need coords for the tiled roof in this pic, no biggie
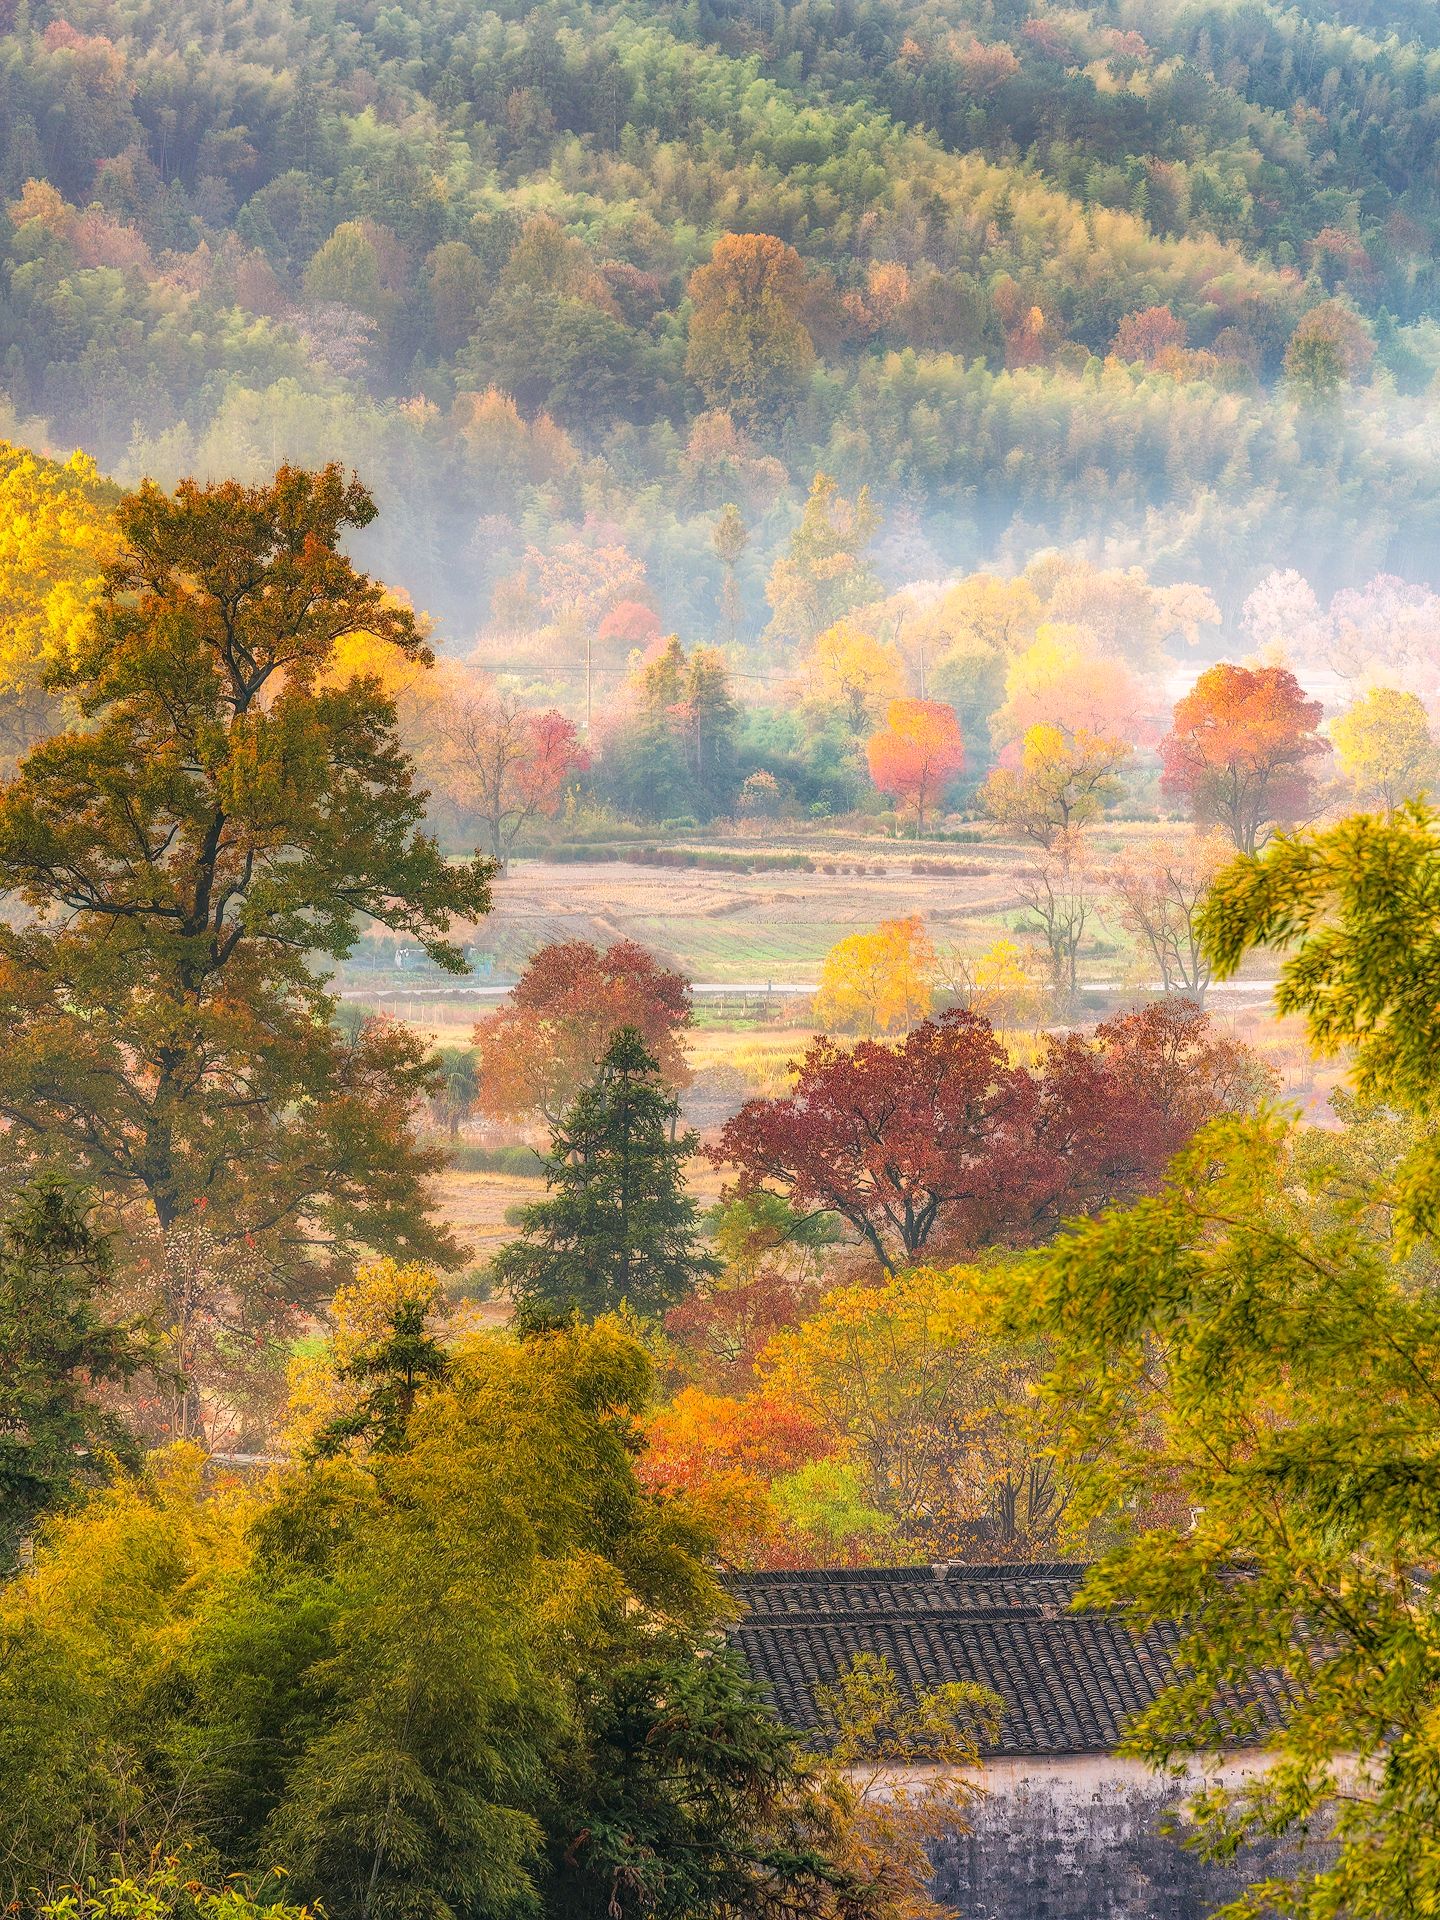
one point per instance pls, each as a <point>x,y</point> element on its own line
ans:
<point>1070,1681</point>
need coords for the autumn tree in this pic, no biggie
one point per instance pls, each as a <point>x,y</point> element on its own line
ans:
<point>939,1413</point>
<point>1160,889</point>
<point>916,753</point>
<point>1063,780</point>
<point>749,347</point>
<point>773,1266</point>
<point>1062,680</point>
<point>536,1052</point>
<point>937,1140</point>
<point>880,982</point>
<point>505,764</point>
<point>220,815</point>
<point>1332,347</point>
<point>1385,747</point>
<point>1147,334</point>
<point>887,1137</point>
<point>1239,749</point>
<point>618,1228</point>
<point>1005,981</point>
<point>853,670</point>
<point>1098,1121</point>
<point>823,574</point>
<point>57,534</point>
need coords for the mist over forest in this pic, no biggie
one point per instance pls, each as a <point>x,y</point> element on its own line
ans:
<point>454,248</point>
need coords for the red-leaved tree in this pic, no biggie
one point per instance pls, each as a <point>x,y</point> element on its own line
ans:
<point>505,764</point>
<point>937,1141</point>
<point>916,754</point>
<point>891,1138</point>
<point>1099,1121</point>
<point>538,1050</point>
<point>1239,749</point>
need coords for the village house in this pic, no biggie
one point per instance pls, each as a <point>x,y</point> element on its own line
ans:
<point>1065,1829</point>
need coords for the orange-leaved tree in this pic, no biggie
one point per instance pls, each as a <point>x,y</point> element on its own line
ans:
<point>916,753</point>
<point>1239,749</point>
<point>749,344</point>
<point>539,1049</point>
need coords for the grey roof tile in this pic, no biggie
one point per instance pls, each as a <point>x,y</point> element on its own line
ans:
<point>1071,1682</point>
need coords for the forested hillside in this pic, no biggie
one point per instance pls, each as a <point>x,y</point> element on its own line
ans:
<point>1160,278</point>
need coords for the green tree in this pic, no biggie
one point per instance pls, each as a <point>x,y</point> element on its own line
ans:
<point>455,283</point>
<point>348,271</point>
<point>227,809</point>
<point>1248,1367</point>
<point>618,1228</point>
<point>478,1676</point>
<point>56,1440</point>
<point>453,1100</point>
<point>391,1371</point>
<point>729,539</point>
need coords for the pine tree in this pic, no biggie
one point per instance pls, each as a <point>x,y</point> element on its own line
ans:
<point>56,1348</point>
<point>618,1226</point>
<point>392,1369</point>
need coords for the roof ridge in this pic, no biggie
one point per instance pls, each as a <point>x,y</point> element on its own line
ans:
<point>901,1616</point>
<point>937,1572</point>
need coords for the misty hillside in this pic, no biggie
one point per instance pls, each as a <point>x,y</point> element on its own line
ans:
<point>1157,276</point>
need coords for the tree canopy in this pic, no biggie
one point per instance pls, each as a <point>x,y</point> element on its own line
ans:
<point>222,812</point>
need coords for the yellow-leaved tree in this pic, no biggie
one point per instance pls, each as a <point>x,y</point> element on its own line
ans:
<point>1063,779</point>
<point>322,1386</point>
<point>852,670</point>
<point>57,534</point>
<point>880,982</point>
<point>1385,748</point>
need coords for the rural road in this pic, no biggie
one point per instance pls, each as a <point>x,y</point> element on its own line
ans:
<point>778,988</point>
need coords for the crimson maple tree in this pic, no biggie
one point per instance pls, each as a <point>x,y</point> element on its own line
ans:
<point>539,1049</point>
<point>1099,1121</point>
<point>888,1137</point>
<point>938,1141</point>
<point>1238,750</point>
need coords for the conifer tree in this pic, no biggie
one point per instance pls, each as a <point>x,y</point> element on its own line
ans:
<point>57,1347</point>
<point>618,1226</point>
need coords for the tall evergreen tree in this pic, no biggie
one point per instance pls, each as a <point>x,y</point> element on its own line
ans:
<point>55,1348</point>
<point>618,1225</point>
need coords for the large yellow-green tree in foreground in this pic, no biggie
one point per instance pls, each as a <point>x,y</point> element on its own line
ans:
<point>1259,1346</point>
